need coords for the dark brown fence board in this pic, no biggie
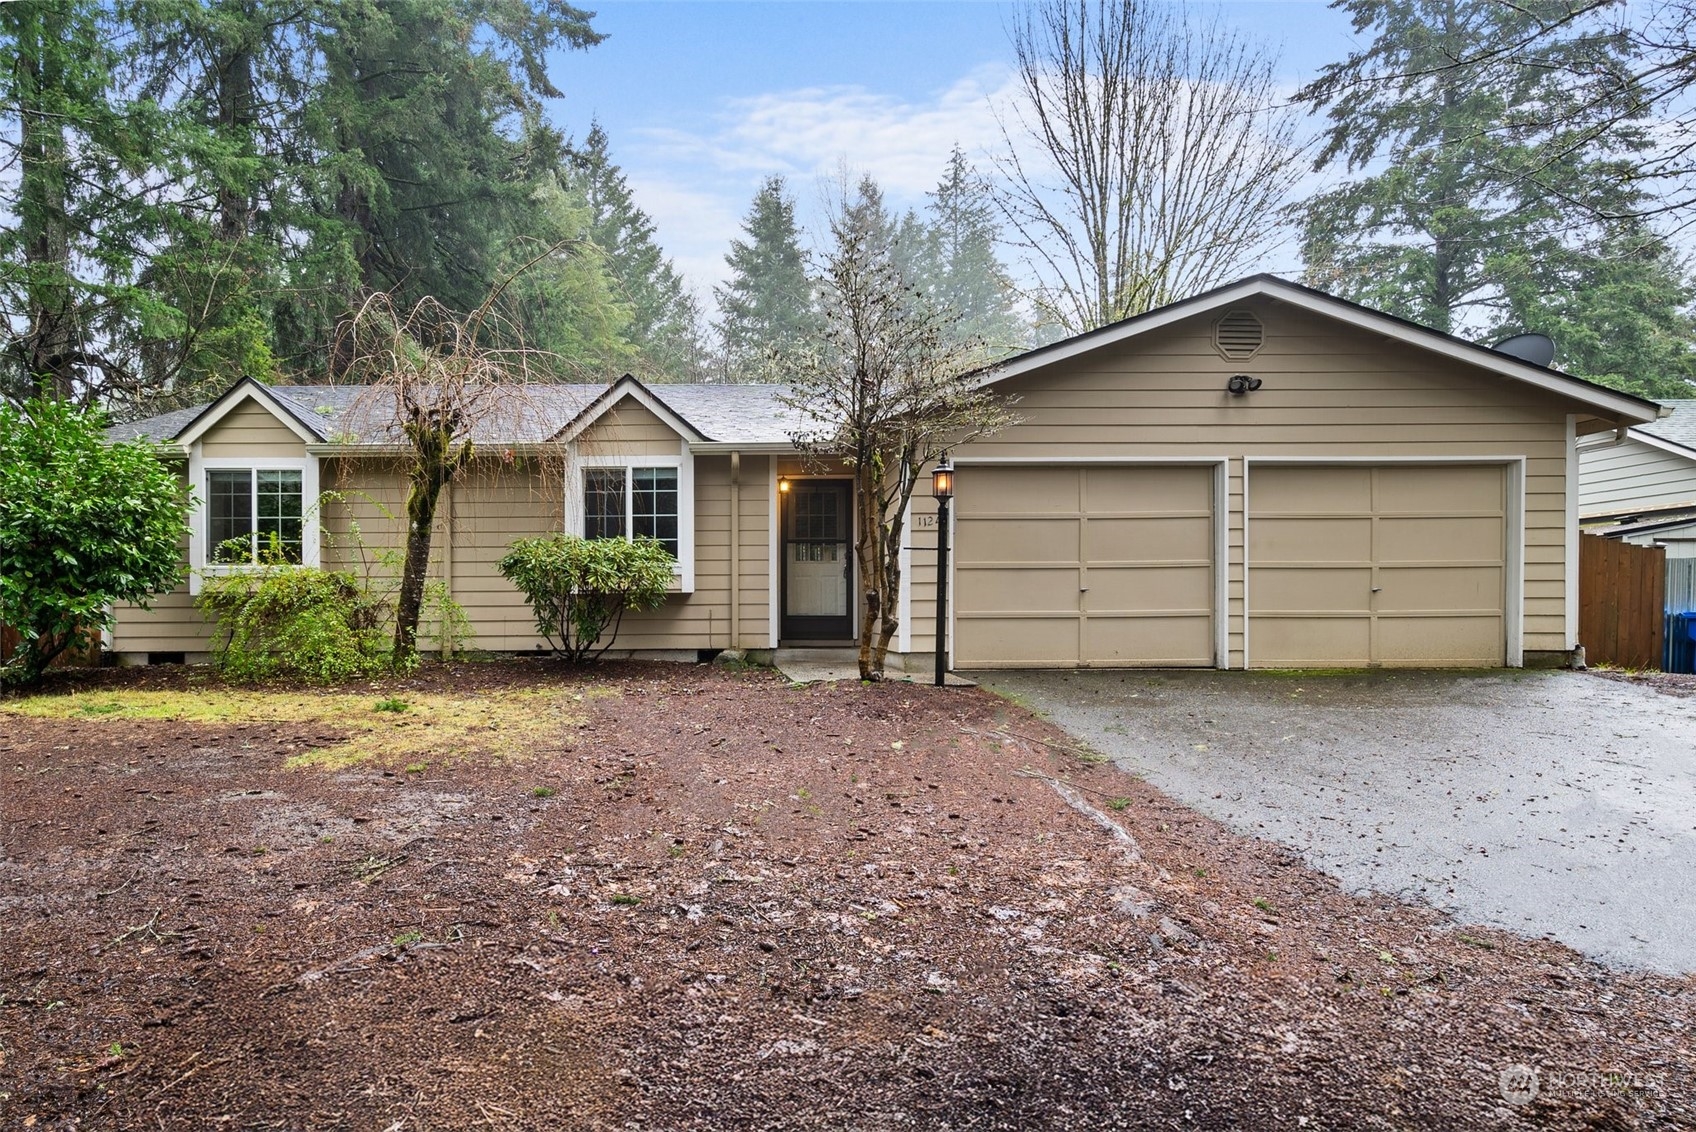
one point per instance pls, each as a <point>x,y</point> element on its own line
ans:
<point>1621,602</point>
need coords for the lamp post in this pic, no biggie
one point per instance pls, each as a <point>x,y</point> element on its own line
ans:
<point>942,489</point>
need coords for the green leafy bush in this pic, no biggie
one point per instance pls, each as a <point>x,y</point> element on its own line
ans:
<point>83,525</point>
<point>299,621</point>
<point>579,588</point>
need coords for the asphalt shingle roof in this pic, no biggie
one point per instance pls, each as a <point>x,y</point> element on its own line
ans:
<point>731,414</point>
<point>1680,428</point>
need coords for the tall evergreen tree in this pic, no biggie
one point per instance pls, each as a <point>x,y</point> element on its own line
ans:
<point>662,313</point>
<point>766,305</point>
<point>1492,212</point>
<point>955,261</point>
<point>92,189</point>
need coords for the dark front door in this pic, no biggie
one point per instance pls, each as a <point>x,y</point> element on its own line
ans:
<point>818,562</point>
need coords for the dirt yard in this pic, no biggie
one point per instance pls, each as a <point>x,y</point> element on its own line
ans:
<point>664,897</point>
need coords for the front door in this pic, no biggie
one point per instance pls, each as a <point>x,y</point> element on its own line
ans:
<point>818,561</point>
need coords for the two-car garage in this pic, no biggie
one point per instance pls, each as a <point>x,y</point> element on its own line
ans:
<point>1102,564</point>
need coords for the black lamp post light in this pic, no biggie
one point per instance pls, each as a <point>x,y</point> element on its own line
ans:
<point>942,489</point>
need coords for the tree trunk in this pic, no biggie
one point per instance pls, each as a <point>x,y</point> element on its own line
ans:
<point>409,606</point>
<point>235,114</point>
<point>41,204</point>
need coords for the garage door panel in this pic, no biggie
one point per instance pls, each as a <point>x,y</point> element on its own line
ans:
<point>1457,487</point>
<point>1310,540</point>
<point>1303,589</point>
<point>1018,589</point>
<point>1005,642</point>
<point>1088,564</point>
<point>1430,588</point>
<point>1018,540</point>
<point>1148,589</point>
<point>1309,489</point>
<point>1146,488</point>
<point>1299,642</point>
<point>1454,539</point>
<point>1149,640</point>
<point>1148,540</point>
<point>1441,641</point>
<point>1001,491</point>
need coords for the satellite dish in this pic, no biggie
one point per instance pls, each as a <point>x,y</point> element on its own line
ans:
<point>1538,349</point>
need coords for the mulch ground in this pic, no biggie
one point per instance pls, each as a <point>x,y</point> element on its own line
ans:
<point>725,902</point>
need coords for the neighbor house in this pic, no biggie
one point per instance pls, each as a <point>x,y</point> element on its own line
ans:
<point>1260,476</point>
<point>1639,484</point>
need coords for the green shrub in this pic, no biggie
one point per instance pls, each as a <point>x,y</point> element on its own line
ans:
<point>83,525</point>
<point>579,588</point>
<point>319,625</point>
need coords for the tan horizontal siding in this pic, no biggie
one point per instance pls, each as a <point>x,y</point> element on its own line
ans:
<point>629,429</point>
<point>250,430</point>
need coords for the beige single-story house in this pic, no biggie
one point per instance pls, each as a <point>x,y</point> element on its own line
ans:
<point>1262,476</point>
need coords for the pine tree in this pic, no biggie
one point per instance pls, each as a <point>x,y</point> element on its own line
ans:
<point>662,313</point>
<point>1489,216</point>
<point>957,265</point>
<point>767,303</point>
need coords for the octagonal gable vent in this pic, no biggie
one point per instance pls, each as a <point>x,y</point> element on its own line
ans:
<point>1238,334</point>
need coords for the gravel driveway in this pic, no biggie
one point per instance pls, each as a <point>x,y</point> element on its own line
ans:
<point>1547,803</point>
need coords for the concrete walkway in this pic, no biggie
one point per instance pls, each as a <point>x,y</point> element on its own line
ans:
<point>1549,803</point>
<point>812,666</point>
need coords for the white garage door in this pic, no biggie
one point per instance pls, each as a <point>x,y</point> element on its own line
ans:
<point>1377,565</point>
<point>1076,566</point>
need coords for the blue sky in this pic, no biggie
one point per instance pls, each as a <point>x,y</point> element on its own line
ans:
<point>701,99</point>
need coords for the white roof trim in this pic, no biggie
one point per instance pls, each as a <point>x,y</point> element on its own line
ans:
<point>1264,286</point>
<point>245,390</point>
<point>627,386</point>
<point>1662,443</point>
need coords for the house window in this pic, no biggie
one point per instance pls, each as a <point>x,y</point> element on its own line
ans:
<point>254,514</point>
<point>633,502</point>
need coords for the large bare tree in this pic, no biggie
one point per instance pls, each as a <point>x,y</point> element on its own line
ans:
<point>439,378</point>
<point>886,385</point>
<point>1147,155</point>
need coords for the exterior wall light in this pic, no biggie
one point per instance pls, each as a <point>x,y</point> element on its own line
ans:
<point>1241,383</point>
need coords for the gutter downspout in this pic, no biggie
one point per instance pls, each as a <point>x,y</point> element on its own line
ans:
<point>735,549</point>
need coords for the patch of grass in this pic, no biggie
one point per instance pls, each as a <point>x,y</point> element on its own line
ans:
<point>408,937</point>
<point>417,768</point>
<point>392,703</point>
<point>504,723</point>
<point>626,900</point>
<point>1119,804</point>
<point>1265,905</point>
<point>1474,941</point>
<point>543,792</point>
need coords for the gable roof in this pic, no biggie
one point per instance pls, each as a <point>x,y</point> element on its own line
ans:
<point>1623,406</point>
<point>360,415</point>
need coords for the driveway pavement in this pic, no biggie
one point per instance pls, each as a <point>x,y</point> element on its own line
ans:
<point>1546,803</point>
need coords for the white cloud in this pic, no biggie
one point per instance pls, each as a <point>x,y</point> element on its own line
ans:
<point>696,179</point>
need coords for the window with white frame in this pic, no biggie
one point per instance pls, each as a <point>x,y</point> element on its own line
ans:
<point>633,501</point>
<point>255,516</point>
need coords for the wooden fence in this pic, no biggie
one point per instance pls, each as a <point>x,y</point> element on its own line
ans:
<point>1621,602</point>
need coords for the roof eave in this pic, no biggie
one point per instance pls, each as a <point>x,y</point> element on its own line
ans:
<point>1622,406</point>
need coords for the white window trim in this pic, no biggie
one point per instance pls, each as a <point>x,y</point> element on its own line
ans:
<point>311,534</point>
<point>684,569</point>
